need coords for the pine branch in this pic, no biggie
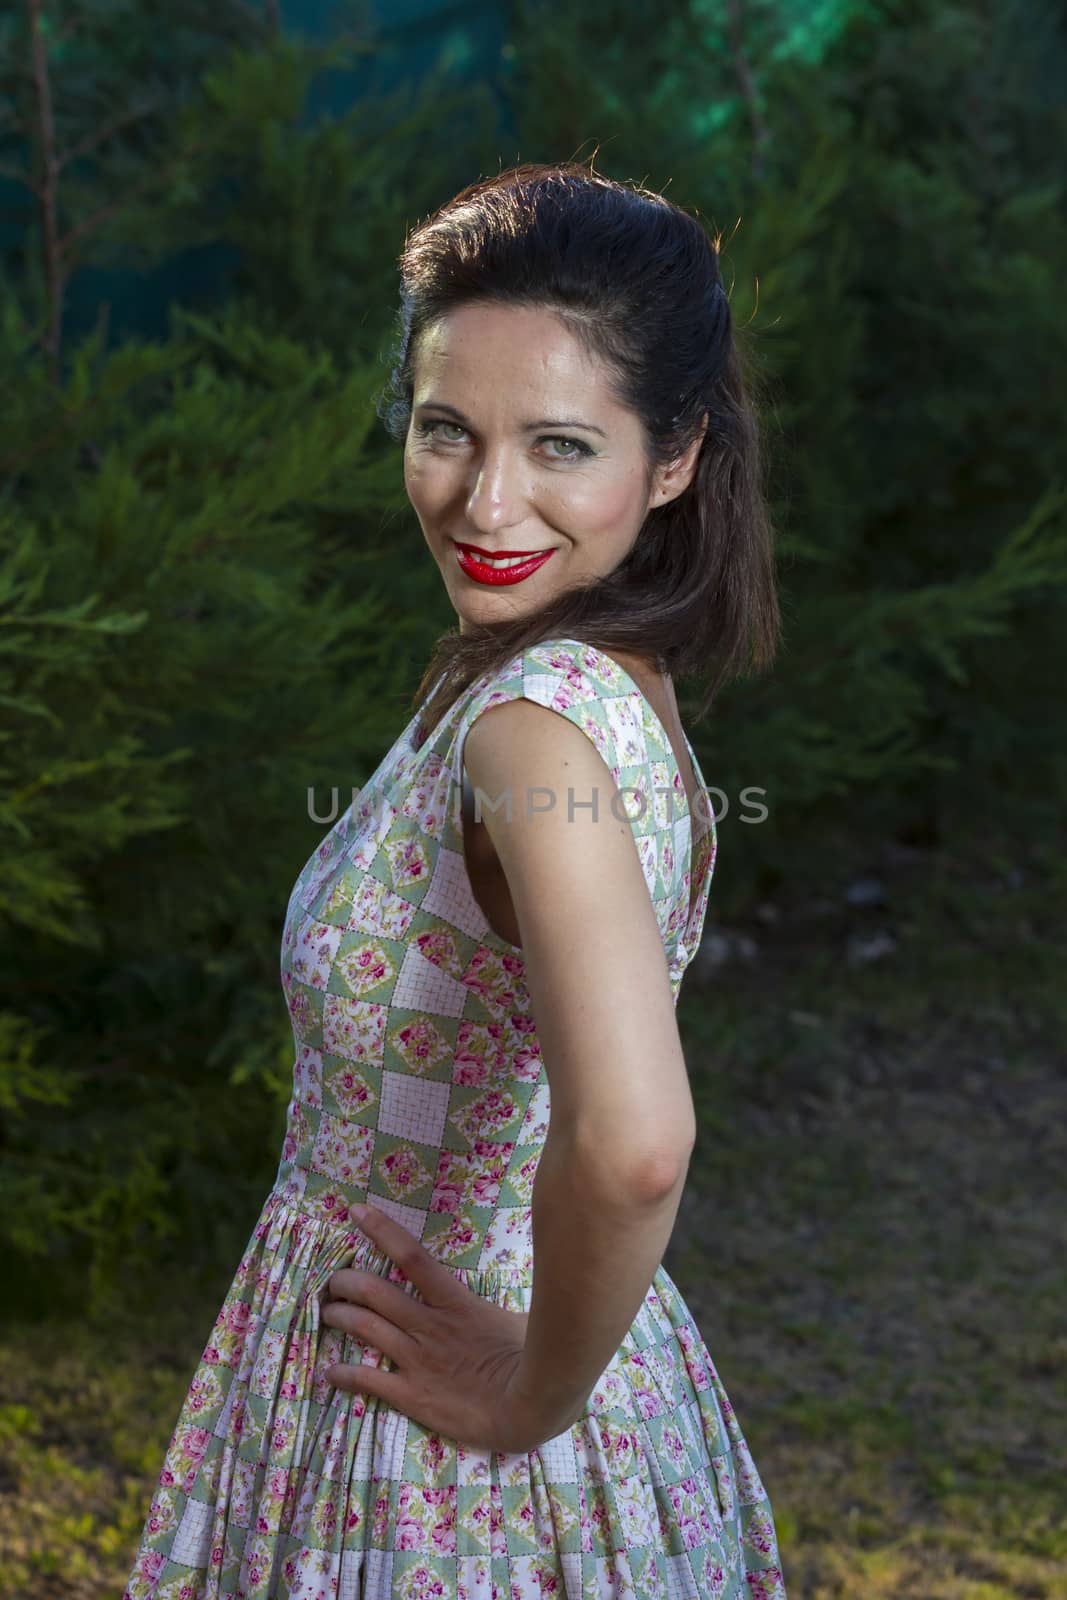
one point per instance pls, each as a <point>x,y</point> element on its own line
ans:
<point>100,136</point>
<point>747,85</point>
<point>91,141</point>
<point>97,218</point>
<point>47,191</point>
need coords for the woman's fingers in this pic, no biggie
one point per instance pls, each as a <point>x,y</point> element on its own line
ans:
<point>368,1327</point>
<point>368,1289</point>
<point>431,1277</point>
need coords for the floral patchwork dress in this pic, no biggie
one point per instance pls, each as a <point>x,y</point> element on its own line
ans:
<point>418,1084</point>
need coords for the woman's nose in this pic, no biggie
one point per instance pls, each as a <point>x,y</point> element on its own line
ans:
<point>496,496</point>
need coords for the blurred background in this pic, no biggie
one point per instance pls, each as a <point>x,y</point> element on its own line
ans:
<point>214,596</point>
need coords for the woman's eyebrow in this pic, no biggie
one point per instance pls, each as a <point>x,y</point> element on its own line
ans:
<point>527,427</point>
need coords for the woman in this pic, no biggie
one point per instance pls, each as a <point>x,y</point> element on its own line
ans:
<point>487,1386</point>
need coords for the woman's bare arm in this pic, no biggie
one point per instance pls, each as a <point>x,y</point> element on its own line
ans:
<point>622,1124</point>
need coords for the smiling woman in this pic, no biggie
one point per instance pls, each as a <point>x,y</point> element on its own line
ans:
<point>507,488</point>
<point>577,335</point>
<point>490,1385</point>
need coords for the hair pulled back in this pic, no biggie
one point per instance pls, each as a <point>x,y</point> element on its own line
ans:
<point>636,281</point>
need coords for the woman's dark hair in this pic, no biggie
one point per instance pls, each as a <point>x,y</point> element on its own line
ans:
<point>636,280</point>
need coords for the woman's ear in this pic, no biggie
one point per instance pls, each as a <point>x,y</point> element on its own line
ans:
<point>669,480</point>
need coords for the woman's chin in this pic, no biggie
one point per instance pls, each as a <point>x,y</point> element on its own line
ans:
<point>504,605</point>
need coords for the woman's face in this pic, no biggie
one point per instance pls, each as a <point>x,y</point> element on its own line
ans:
<point>516,445</point>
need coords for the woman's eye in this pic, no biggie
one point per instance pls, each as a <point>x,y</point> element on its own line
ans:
<point>425,430</point>
<point>575,448</point>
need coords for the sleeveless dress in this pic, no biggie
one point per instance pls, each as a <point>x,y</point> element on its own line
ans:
<point>418,1084</point>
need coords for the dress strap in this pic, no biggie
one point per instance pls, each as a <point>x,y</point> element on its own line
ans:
<point>590,689</point>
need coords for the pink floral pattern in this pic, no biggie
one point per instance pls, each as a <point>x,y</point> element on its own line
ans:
<point>418,1083</point>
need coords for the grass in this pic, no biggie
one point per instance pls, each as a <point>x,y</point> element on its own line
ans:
<point>871,1242</point>
<point>872,1237</point>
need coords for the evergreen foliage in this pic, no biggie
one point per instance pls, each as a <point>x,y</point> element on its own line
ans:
<point>179,660</point>
<point>200,660</point>
<point>892,200</point>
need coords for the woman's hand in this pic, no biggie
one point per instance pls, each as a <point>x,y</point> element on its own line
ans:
<point>456,1353</point>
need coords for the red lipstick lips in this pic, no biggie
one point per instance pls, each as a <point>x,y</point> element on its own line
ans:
<point>495,576</point>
